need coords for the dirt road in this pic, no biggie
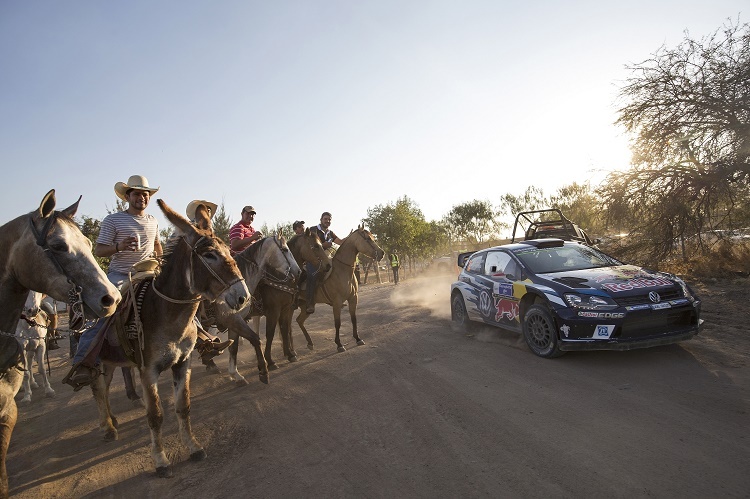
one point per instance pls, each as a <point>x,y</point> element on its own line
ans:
<point>423,411</point>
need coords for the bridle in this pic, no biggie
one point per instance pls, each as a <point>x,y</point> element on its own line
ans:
<point>202,241</point>
<point>273,276</point>
<point>320,260</point>
<point>78,320</point>
<point>369,241</point>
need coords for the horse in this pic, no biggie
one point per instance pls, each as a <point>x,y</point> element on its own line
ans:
<point>32,334</point>
<point>196,265</point>
<point>277,291</point>
<point>46,251</point>
<point>341,285</point>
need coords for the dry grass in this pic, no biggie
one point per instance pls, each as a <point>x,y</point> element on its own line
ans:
<point>724,259</point>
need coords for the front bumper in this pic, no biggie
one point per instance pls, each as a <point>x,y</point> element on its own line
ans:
<point>630,343</point>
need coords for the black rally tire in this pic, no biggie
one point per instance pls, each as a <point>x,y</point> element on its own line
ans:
<point>459,315</point>
<point>540,332</point>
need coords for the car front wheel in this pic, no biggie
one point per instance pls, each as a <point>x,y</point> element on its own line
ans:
<point>540,332</point>
<point>459,315</point>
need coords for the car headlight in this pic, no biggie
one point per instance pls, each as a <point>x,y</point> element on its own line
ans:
<point>590,302</point>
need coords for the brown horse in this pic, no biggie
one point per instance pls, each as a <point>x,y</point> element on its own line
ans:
<point>46,251</point>
<point>341,285</point>
<point>196,265</point>
<point>278,294</point>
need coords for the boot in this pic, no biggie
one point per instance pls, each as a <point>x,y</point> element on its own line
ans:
<point>80,376</point>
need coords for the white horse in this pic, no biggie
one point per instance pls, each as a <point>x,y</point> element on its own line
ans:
<point>32,334</point>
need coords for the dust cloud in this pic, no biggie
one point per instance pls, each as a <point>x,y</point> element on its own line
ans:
<point>430,291</point>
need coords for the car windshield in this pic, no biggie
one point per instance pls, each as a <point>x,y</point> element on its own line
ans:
<point>564,258</point>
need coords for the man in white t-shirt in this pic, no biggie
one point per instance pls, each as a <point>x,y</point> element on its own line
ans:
<point>126,237</point>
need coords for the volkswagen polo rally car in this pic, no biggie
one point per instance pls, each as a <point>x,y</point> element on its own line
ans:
<point>566,296</point>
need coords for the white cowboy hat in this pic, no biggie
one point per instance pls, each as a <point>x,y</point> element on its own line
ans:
<point>134,182</point>
<point>193,205</point>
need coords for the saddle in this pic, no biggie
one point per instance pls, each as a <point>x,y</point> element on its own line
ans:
<point>123,330</point>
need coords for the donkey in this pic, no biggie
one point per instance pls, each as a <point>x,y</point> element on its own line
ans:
<point>197,265</point>
<point>341,285</point>
<point>277,289</point>
<point>46,251</point>
<point>32,333</point>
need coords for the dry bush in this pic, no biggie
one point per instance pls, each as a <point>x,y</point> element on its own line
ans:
<point>724,259</point>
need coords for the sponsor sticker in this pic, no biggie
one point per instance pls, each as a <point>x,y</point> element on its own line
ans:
<point>644,306</point>
<point>603,332</point>
<point>565,329</point>
<point>602,315</point>
<point>638,283</point>
<point>503,289</point>
<point>485,303</point>
<point>661,306</point>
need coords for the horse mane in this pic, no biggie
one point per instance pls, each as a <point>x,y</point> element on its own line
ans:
<point>251,251</point>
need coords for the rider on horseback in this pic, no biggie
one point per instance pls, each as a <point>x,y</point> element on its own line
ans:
<point>327,238</point>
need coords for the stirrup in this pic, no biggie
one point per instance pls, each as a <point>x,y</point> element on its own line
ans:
<point>78,380</point>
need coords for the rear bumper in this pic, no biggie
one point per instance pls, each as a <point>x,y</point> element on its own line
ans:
<point>631,344</point>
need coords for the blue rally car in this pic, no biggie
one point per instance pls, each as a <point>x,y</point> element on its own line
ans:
<point>568,296</point>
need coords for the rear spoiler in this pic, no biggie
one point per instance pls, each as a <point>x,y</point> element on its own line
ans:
<point>463,256</point>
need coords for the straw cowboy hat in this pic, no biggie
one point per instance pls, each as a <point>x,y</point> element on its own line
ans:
<point>134,182</point>
<point>193,205</point>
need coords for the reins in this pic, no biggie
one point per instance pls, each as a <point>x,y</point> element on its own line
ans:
<point>191,276</point>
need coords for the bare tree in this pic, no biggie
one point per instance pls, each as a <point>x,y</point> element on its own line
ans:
<point>689,111</point>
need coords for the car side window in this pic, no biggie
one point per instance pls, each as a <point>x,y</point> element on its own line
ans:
<point>496,263</point>
<point>476,264</point>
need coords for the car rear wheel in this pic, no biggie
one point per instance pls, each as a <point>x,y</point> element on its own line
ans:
<point>459,315</point>
<point>540,332</point>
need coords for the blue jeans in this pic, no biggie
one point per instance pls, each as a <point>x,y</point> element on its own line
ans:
<point>88,336</point>
<point>312,280</point>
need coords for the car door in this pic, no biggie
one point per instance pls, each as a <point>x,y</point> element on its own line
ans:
<point>501,270</point>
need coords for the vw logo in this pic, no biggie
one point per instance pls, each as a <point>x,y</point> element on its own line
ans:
<point>485,303</point>
<point>654,297</point>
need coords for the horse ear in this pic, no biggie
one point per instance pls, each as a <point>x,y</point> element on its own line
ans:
<point>280,233</point>
<point>351,232</point>
<point>72,209</point>
<point>360,227</point>
<point>175,218</point>
<point>47,206</point>
<point>202,218</point>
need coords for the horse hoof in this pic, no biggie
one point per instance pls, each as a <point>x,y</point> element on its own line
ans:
<point>110,436</point>
<point>310,346</point>
<point>198,455</point>
<point>360,342</point>
<point>25,400</point>
<point>272,366</point>
<point>164,472</point>
<point>242,382</point>
<point>50,394</point>
<point>293,358</point>
<point>341,349</point>
<point>263,378</point>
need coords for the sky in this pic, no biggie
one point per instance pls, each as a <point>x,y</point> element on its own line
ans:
<point>300,107</point>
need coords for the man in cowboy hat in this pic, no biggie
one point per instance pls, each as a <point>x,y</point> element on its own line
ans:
<point>126,237</point>
<point>208,346</point>
<point>242,234</point>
